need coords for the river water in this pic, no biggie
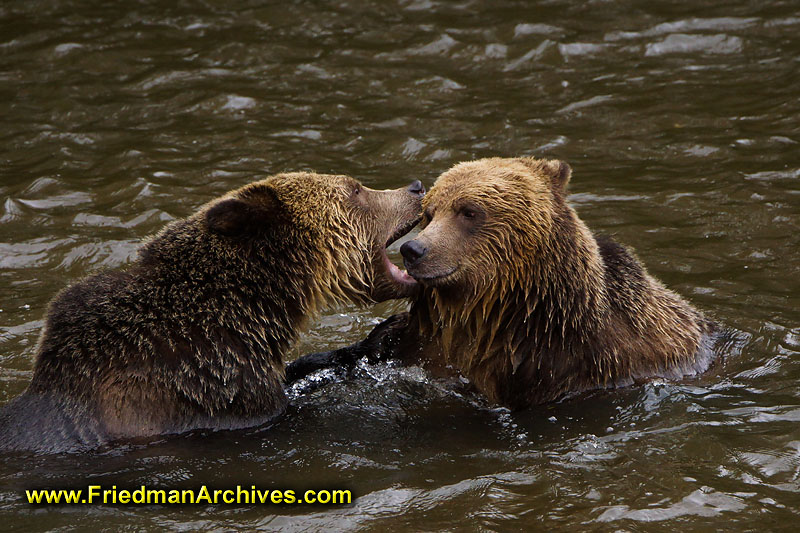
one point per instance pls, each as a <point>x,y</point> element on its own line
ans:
<point>680,120</point>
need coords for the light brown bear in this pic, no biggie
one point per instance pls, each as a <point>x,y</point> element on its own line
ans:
<point>192,335</point>
<point>522,299</point>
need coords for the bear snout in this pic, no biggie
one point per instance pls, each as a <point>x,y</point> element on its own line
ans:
<point>416,188</point>
<point>412,252</point>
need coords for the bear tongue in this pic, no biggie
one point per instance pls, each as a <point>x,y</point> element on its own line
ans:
<point>399,276</point>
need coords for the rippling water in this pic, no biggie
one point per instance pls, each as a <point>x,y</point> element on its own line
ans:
<point>680,120</point>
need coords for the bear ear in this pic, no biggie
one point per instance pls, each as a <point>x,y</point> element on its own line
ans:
<point>234,217</point>
<point>559,173</point>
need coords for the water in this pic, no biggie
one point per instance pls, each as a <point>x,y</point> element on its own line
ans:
<point>680,120</point>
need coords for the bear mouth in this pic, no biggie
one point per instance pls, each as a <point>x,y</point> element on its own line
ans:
<point>395,273</point>
<point>436,279</point>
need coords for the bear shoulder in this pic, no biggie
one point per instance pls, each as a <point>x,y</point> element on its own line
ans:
<point>624,276</point>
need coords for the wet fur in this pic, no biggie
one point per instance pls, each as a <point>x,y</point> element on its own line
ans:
<point>192,334</point>
<point>565,312</point>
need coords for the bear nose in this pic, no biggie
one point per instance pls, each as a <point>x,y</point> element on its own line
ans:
<point>417,187</point>
<point>412,252</point>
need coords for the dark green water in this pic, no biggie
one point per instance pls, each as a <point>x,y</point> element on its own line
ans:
<point>680,120</point>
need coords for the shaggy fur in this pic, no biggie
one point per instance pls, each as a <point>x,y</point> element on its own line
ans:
<point>193,333</point>
<point>521,298</point>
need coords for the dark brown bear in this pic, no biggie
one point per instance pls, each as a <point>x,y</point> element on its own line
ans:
<point>193,333</point>
<point>521,298</point>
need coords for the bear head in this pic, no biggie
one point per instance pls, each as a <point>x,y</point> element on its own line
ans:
<point>485,222</point>
<point>330,226</point>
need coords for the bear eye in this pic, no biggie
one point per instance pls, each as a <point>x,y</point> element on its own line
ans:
<point>357,190</point>
<point>469,212</point>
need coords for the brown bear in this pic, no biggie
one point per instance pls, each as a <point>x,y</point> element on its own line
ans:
<point>192,334</point>
<point>522,299</point>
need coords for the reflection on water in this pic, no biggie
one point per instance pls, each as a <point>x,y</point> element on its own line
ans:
<point>680,122</point>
